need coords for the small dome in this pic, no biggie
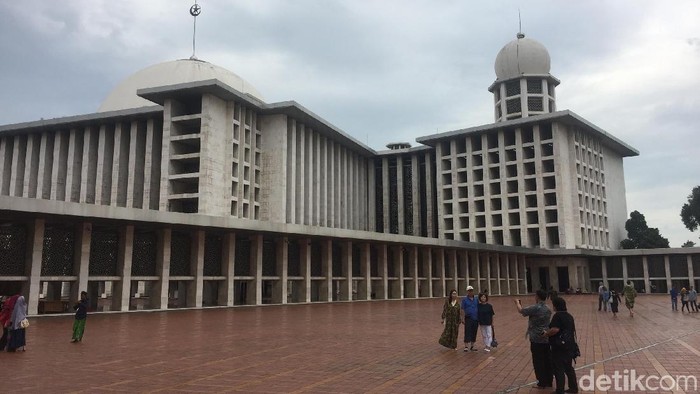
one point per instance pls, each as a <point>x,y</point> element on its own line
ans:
<point>522,56</point>
<point>170,73</point>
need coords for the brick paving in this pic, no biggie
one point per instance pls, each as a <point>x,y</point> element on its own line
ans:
<point>379,346</point>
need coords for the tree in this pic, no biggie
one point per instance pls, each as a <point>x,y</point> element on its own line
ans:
<point>690,212</point>
<point>640,235</point>
<point>688,244</point>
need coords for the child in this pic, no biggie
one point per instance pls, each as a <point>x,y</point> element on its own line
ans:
<point>614,303</point>
<point>80,317</point>
<point>485,314</point>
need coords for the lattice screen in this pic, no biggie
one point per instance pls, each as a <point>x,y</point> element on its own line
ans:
<point>242,264</point>
<point>143,261</point>
<point>59,249</point>
<point>13,249</point>
<point>180,254</point>
<point>104,252</point>
<point>213,244</point>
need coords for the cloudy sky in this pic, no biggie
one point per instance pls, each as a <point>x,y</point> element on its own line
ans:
<point>387,70</point>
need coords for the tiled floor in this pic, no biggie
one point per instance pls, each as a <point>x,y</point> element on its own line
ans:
<point>381,346</point>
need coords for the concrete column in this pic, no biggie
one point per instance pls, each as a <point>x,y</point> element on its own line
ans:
<point>415,193</point>
<point>33,265</point>
<point>228,257</point>
<point>346,284</point>
<point>383,291</point>
<point>280,288</point>
<point>428,270</point>
<point>604,268</point>
<point>87,178</point>
<point>498,273</point>
<point>667,267</point>
<point>19,151</point>
<point>645,266</point>
<point>32,166</point>
<point>371,197</point>
<point>691,274</point>
<point>195,288</point>
<point>256,266</point>
<point>305,257</point>
<point>517,274</point>
<point>488,272</point>
<point>398,269</point>
<point>430,214</point>
<point>58,175</point>
<point>5,164</point>
<point>75,164</point>
<point>455,271</point>
<point>365,291</point>
<point>133,181</point>
<point>625,276</point>
<point>523,273</point>
<point>327,265</point>
<point>121,292</point>
<point>81,264</point>
<point>477,279</point>
<point>400,192</point>
<point>441,272</point>
<point>159,294</point>
<point>385,194</point>
<point>412,290</point>
<point>120,162</point>
<point>102,163</point>
<point>43,179</point>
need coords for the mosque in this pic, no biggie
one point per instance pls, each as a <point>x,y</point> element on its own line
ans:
<point>187,189</point>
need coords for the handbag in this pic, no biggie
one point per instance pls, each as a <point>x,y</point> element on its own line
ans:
<point>494,343</point>
<point>24,323</point>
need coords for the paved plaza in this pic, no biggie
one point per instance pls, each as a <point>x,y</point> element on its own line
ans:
<point>380,346</point>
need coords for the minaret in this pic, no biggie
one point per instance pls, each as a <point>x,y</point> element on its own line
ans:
<point>523,87</point>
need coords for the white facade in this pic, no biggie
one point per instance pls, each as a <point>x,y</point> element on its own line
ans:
<point>196,192</point>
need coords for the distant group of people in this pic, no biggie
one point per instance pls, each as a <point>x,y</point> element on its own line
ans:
<point>474,312</point>
<point>612,297</point>
<point>689,299</point>
<point>13,319</point>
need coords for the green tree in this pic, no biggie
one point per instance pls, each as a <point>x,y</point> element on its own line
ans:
<point>688,244</point>
<point>690,212</point>
<point>640,235</point>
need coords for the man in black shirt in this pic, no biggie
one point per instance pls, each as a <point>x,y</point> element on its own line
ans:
<point>561,334</point>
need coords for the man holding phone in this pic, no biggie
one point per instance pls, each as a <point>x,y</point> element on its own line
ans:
<point>538,321</point>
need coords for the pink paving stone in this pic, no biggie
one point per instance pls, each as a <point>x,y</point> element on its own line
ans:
<point>378,346</point>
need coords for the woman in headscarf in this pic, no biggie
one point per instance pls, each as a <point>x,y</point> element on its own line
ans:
<point>17,332</point>
<point>6,319</point>
<point>451,320</point>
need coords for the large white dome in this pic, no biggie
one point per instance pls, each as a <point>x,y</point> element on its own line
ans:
<point>170,73</point>
<point>520,57</point>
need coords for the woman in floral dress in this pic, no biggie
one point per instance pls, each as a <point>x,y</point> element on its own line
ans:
<point>451,321</point>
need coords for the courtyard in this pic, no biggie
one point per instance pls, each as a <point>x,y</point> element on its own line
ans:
<point>377,346</point>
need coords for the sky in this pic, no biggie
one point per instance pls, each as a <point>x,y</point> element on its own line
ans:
<point>387,71</point>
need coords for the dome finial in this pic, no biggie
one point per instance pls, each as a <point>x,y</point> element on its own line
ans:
<point>195,10</point>
<point>520,27</point>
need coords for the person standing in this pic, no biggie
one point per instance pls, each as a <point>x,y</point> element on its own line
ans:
<point>606,298</point>
<point>17,332</point>
<point>451,319</point>
<point>538,321</point>
<point>471,322</point>
<point>485,313</point>
<point>614,303</point>
<point>80,317</point>
<point>562,337</point>
<point>674,299</point>
<point>693,298</point>
<point>601,302</point>
<point>630,295</point>
<point>684,300</point>
<point>6,319</point>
